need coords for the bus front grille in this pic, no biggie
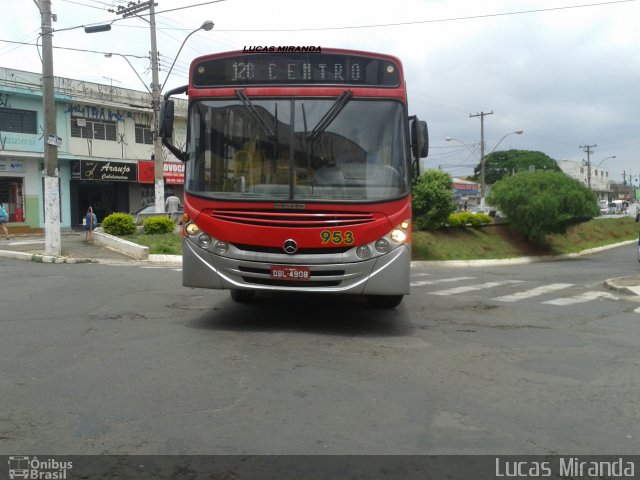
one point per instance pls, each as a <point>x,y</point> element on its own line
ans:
<point>293,219</point>
<point>301,251</point>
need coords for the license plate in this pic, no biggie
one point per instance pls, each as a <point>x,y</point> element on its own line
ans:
<point>290,273</point>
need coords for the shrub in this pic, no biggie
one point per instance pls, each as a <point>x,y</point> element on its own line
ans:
<point>432,200</point>
<point>464,219</point>
<point>157,225</point>
<point>119,224</point>
<point>543,202</point>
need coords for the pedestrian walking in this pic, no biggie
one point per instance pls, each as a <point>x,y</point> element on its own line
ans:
<point>4,217</point>
<point>90,223</point>
<point>172,204</point>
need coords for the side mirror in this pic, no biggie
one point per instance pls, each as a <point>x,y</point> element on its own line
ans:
<point>166,119</point>
<point>419,139</point>
<point>166,122</point>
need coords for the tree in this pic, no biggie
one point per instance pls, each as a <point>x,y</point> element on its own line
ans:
<point>508,162</point>
<point>432,199</point>
<point>543,202</point>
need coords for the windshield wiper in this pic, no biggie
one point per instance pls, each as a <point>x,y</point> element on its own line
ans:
<point>256,116</point>
<point>330,116</point>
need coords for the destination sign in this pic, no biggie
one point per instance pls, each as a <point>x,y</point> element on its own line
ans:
<point>295,68</point>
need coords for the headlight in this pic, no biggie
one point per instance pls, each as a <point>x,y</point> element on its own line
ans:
<point>363,251</point>
<point>398,235</point>
<point>204,240</point>
<point>192,229</point>
<point>382,245</point>
<point>220,247</point>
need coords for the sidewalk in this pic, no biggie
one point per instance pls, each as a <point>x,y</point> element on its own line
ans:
<point>73,250</point>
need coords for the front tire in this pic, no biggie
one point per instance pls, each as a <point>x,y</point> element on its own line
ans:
<point>242,296</point>
<point>384,301</point>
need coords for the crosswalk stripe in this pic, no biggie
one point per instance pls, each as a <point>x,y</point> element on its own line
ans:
<point>534,292</point>
<point>472,288</point>
<point>582,298</point>
<point>422,283</point>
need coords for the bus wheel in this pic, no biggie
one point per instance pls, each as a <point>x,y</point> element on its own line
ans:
<point>242,296</point>
<point>384,301</point>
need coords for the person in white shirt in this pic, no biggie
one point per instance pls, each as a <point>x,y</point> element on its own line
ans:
<point>172,205</point>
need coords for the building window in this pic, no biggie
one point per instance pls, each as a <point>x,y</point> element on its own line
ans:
<point>144,135</point>
<point>98,130</point>
<point>18,121</point>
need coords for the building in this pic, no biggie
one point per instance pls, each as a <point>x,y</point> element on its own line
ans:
<point>105,153</point>
<point>600,183</point>
<point>466,194</point>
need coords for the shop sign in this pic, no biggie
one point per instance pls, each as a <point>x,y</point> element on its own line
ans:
<point>108,171</point>
<point>11,166</point>
<point>146,171</point>
<point>173,172</point>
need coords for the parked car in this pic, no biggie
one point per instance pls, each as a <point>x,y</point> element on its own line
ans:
<point>487,210</point>
<point>141,214</point>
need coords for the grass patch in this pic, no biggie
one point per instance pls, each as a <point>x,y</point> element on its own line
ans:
<point>498,241</point>
<point>163,243</point>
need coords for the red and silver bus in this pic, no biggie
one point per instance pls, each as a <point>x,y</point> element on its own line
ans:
<point>298,173</point>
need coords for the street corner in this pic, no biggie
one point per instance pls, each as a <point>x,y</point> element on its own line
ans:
<point>629,285</point>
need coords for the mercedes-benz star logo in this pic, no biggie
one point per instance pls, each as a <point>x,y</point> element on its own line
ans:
<point>290,246</point>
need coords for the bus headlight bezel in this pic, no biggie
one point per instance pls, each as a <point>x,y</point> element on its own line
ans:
<point>396,238</point>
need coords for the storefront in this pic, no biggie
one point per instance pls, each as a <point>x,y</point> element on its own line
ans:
<point>102,185</point>
<point>173,174</point>
<point>12,178</point>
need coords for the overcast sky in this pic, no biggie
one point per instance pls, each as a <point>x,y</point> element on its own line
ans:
<point>566,72</point>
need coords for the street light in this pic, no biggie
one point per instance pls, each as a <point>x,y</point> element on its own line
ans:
<point>597,166</point>
<point>606,158</point>
<point>110,55</point>
<point>517,132</point>
<point>206,26</point>
<point>482,161</point>
<point>452,139</point>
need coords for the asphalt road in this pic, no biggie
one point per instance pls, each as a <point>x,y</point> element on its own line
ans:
<point>101,359</point>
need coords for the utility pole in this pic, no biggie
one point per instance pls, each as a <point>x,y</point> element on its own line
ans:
<point>158,156</point>
<point>155,98</point>
<point>482,183</point>
<point>588,151</point>
<point>52,244</point>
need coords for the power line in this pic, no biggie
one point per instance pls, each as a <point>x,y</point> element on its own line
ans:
<point>419,22</point>
<point>74,49</point>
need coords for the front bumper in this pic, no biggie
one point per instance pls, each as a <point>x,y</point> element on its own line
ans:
<point>384,275</point>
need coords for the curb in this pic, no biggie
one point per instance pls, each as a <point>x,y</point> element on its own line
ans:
<point>619,285</point>
<point>40,258</point>
<point>516,260</point>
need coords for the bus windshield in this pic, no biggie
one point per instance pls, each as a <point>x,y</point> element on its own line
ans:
<point>345,149</point>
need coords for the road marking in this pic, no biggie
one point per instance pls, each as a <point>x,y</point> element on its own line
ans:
<point>170,267</point>
<point>534,292</point>
<point>582,298</point>
<point>473,288</point>
<point>422,283</point>
<point>421,274</point>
